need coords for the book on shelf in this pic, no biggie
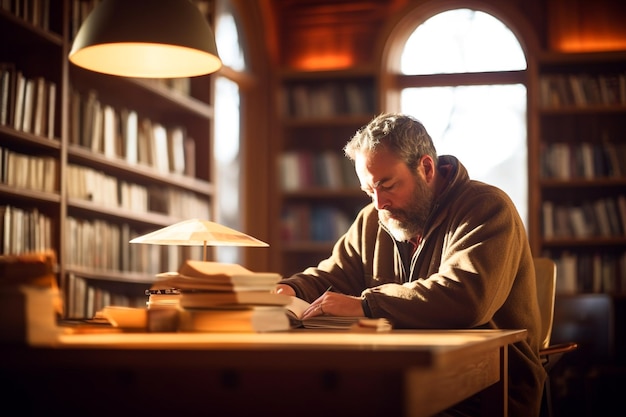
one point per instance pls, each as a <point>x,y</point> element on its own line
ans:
<point>130,130</point>
<point>29,103</point>
<point>75,118</point>
<point>144,142</point>
<point>615,224</point>
<point>602,217</point>
<point>18,100</point>
<point>96,127</point>
<point>160,150</point>
<point>621,207</point>
<point>109,131</point>
<point>86,109</point>
<point>51,95</point>
<point>7,92</point>
<point>582,89</point>
<point>40,107</point>
<point>190,155</point>
<point>176,152</point>
<point>325,169</point>
<point>290,177</point>
<point>330,166</point>
<point>590,272</point>
<point>326,99</point>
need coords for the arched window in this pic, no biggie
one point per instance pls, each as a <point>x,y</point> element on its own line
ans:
<point>462,72</point>
<point>227,133</point>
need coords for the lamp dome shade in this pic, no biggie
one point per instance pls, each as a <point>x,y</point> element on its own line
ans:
<point>195,232</point>
<point>146,39</point>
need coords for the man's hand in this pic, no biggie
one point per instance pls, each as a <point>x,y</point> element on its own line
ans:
<point>335,304</point>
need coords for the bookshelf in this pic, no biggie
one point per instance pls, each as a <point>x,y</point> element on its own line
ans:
<point>318,193</point>
<point>103,159</point>
<point>581,187</point>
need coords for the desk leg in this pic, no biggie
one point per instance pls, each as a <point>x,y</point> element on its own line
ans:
<point>494,399</point>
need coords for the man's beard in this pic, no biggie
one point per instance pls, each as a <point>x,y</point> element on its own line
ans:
<point>407,223</point>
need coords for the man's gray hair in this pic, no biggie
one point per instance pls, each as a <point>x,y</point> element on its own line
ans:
<point>401,134</point>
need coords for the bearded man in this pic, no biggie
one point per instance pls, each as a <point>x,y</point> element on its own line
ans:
<point>434,250</point>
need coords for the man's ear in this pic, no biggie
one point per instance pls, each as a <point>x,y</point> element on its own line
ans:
<point>428,165</point>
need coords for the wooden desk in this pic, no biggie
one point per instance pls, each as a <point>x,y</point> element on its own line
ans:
<point>302,373</point>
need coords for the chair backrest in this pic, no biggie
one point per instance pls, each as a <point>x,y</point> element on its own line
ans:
<point>545,272</point>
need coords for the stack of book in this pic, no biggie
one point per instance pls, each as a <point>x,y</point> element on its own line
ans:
<point>213,296</point>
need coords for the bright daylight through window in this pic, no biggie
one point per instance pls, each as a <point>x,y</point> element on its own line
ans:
<point>483,125</point>
<point>226,144</point>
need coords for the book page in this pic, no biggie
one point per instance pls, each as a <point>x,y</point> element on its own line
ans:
<point>297,307</point>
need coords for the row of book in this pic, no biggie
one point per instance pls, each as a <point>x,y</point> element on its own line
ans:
<point>603,217</point>
<point>30,172</point>
<point>36,12</point>
<point>83,298</point>
<point>40,173</point>
<point>317,223</point>
<point>597,272</point>
<point>558,90</point>
<point>306,169</point>
<point>567,160</point>
<point>27,104</point>
<point>326,99</point>
<point>121,133</point>
<point>92,185</point>
<point>98,244</point>
<point>178,203</point>
<point>24,230</point>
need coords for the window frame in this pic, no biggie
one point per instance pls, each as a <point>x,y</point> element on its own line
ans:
<point>393,81</point>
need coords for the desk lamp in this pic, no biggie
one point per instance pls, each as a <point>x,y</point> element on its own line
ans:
<point>146,39</point>
<point>197,232</point>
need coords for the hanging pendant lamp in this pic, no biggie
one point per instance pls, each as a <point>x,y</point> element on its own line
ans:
<point>146,39</point>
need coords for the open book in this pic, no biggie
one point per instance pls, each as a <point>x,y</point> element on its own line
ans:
<point>298,306</point>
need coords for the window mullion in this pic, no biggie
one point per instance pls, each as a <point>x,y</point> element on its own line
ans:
<point>469,78</point>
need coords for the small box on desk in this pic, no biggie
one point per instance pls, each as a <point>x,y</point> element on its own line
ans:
<point>29,299</point>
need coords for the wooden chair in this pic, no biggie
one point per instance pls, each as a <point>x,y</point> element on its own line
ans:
<point>545,271</point>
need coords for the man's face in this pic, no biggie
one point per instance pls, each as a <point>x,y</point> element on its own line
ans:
<point>402,197</point>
